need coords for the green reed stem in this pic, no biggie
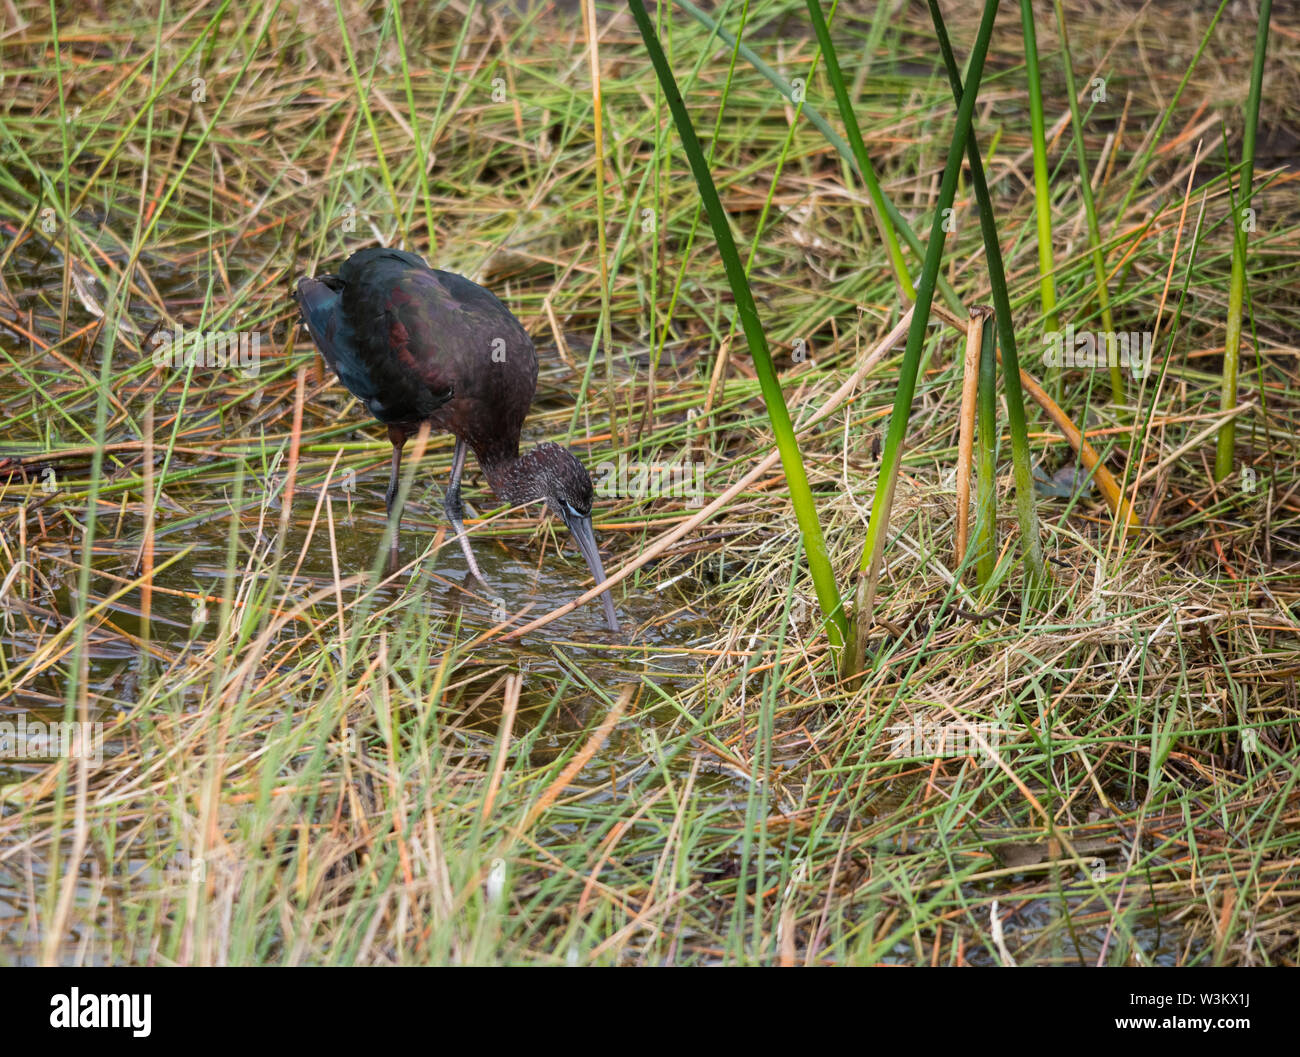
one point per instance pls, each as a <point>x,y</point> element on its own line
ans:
<point>837,141</point>
<point>1226,449</point>
<point>1042,185</point>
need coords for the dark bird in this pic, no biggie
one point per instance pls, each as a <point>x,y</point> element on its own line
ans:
<point>418,345</point>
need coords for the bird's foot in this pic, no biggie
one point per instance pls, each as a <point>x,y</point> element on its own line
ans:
<point>394,562</point>
<point>469,555</point>
<point>456,514</point>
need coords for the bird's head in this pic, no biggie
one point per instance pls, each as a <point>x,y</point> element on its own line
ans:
<point>566,486</point>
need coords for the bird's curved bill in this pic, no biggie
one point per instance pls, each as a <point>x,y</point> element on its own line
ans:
<point>586,538</point>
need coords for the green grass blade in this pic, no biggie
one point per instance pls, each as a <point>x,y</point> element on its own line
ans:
<point>1225,452</point>
<point>1042,185</point>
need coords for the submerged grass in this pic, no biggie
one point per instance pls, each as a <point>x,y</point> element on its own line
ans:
<point>304,763</point>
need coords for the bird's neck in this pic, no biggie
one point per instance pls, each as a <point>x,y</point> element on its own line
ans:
<point>514,478</point>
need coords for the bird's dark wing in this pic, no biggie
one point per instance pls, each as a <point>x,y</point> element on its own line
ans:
<point>420,345</point>
<point>390,307</point>
<point>429,332</point>
<point>318,302</point>
<point>381,350</point>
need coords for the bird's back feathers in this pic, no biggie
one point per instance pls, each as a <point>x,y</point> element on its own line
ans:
<point>415,344</point>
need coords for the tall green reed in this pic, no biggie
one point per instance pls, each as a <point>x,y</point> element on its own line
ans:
<point>1042,185</point>
<point>1225,450</point>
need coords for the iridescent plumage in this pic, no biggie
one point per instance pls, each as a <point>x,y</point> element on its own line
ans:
<point>418,345</point>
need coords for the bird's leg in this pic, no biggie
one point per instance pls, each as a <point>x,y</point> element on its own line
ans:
<point>397,436</point>
<point>456,513</point>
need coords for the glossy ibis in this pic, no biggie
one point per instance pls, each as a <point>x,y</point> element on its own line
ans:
<point>418,345</point>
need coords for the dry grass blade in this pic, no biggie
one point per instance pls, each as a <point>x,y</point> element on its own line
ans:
<point>966,441</point>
